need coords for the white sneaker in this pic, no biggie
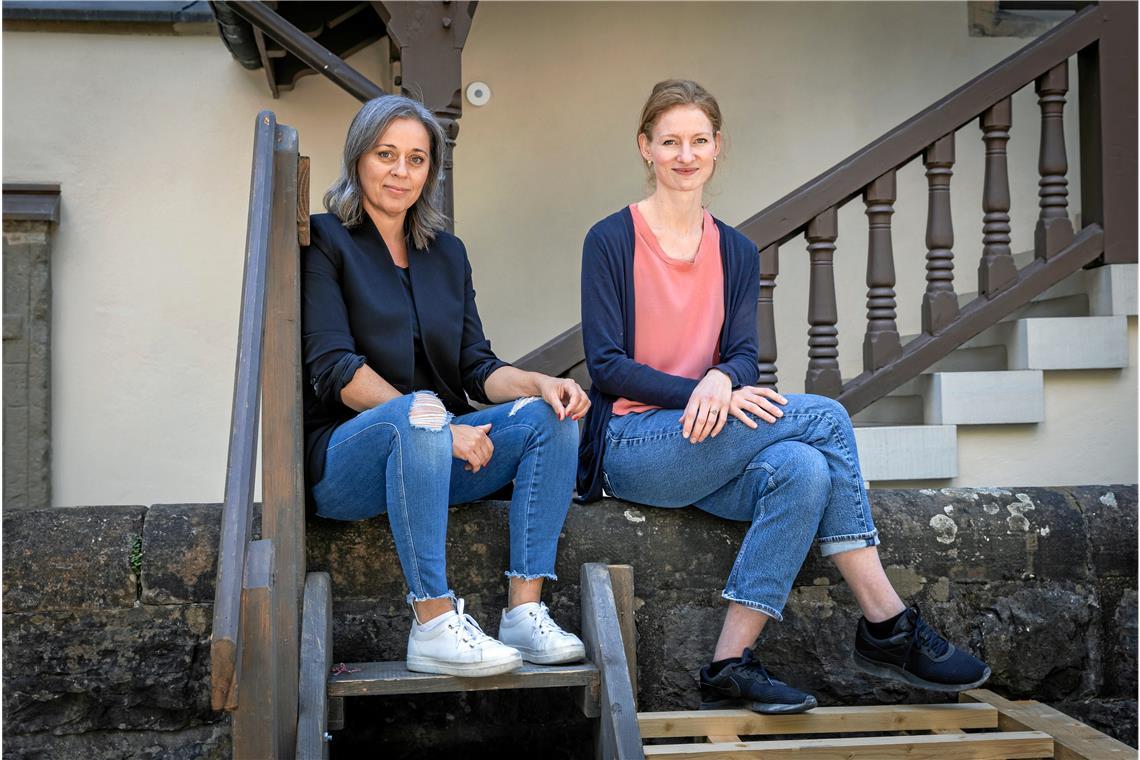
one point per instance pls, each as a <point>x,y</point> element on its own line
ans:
<point>529,629</point>
<point>455,645</point>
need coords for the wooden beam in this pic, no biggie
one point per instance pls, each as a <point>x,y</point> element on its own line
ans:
<point>618,735</point>
<point>557,356</point>
<point>316,660</point>
<point>256,728</point>
<point>1073,740</point>
<point>29,201</point>
<point>621,579</point>
<point>237,512</point>
<point>1000,746</point>
<point>372,678</point>
<point>821,720</point>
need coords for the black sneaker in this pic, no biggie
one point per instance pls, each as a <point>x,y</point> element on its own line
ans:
<point>745,682</point>
<point>917,654</point>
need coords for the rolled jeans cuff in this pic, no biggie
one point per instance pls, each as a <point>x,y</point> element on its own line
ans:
<point>771,612</point>
<point>840,544</point>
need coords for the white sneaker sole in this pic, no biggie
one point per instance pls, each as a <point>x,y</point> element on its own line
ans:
<point>560,656</point>
<point>464,669</point>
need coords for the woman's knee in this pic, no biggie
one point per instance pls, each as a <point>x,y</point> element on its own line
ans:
<point>549,431</point>
<point>803,468</point>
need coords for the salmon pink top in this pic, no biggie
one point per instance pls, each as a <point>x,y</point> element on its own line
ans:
<point>678,306</point>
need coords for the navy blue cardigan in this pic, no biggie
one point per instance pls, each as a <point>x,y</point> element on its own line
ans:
<point>608,330</point>
<point>355,310</point>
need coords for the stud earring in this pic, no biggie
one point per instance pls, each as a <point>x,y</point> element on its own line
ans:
<point>649,163</point>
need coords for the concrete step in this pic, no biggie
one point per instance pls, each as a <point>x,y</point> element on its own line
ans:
<point>983,398</point>
<point>908,452</point>
<point>1060,342</point>
<point>962,398</point>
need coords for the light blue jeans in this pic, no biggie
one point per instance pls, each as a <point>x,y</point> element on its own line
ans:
<point>795,479</point>
<point>380,461</point>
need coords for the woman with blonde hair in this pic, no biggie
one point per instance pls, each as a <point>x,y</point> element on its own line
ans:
<point>669,299</point>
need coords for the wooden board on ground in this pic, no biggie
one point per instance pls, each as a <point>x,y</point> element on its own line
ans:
<point>997,746</point>
<point>375,678</point>
<point>1074,740</point>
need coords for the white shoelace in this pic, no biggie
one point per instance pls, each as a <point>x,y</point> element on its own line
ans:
<point>544,624</point>
<point>469,631</point>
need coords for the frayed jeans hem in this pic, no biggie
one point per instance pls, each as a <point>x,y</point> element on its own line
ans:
<point>771,612</point>
<point>412,598</point>
<point>530,576</point>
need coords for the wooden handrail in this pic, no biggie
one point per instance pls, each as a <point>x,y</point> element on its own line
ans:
<point>788,216</point>
<point>237,509</point>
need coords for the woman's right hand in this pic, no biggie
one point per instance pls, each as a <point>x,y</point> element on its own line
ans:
<point>761,402</point>
<point>707,410</point>
<point>472,445</point>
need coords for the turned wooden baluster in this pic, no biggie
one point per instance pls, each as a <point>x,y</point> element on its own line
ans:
<point>997,271</point>
<point>881,344</point>
<point>1054,229</point>
<point>939,303</point>
<point>766,316</point>
<point>823,337</point>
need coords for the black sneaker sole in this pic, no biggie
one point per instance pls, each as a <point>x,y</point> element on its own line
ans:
<point>764,708</point>
<point>897,673</point>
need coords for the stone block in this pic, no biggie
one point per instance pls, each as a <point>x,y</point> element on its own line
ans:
<point>984,398</point>
<point>908,452</point>
<point>180,552</point>
<point>71,671</point>
<point>1110,514</point>
<point>70,559</point>
<point>1120,660</point>
<point>981,534</point>
<point>210,742</point>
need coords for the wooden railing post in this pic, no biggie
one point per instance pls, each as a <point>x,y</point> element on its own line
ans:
<point>939,304</point>
<point>257,731</point>
<point>997,270</point>
<point>283,484</point>
<point>766,316</point>
<point>1054,229</point>
<point>881,343</point>
<point>823,375</point>
<point>1107,74</point>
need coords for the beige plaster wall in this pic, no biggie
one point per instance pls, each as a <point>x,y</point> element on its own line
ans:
<point>150,139</point>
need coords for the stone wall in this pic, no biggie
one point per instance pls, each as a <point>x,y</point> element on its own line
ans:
<point>107,614</point>
<point>27,363</point>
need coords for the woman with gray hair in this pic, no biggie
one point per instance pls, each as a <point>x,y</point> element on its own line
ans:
<point>392,349</point>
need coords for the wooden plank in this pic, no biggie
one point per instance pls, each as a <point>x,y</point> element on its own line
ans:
<point>618,735</point>
<point>997,746</point>
<point>821,720</point>
<point>282,448</point>
<point>255,729</point>
<point>372,678</point>
<point>974,317</point>
<point>316,659</point>
<point>718,739</point>
<point>621,580</point>
<point>1073,739</point>
<point>303,200</point>
<point>557,356</point>
<point>786,217</point>
<point>237,514</point>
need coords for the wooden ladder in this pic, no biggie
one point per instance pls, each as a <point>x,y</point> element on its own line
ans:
<point>604,684</point>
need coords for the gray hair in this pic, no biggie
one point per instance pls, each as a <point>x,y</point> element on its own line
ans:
<point>343,199</point>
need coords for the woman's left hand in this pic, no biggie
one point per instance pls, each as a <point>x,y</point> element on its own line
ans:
<point>564,395</point>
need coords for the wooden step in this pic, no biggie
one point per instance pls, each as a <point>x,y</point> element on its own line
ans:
<point>381,678</point>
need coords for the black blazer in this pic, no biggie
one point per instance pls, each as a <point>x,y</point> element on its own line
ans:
<point>354,310</point>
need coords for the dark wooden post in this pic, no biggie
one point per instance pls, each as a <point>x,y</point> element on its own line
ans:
<point>881,344</point>
<point>431,36</point>
<point>939,304</point>
<point>766,316</point>
<point>823,375</point>
<point>282,448</point>
<point>1054,229</point>
<point>1107,72</point>
<point>257,731</point>
<point>996,271</point>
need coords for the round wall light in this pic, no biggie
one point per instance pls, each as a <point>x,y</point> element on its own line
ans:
<point>478,93</point>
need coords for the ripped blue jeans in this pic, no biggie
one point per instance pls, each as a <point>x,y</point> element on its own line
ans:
<point>796,479</point>
<point>396,458</point>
